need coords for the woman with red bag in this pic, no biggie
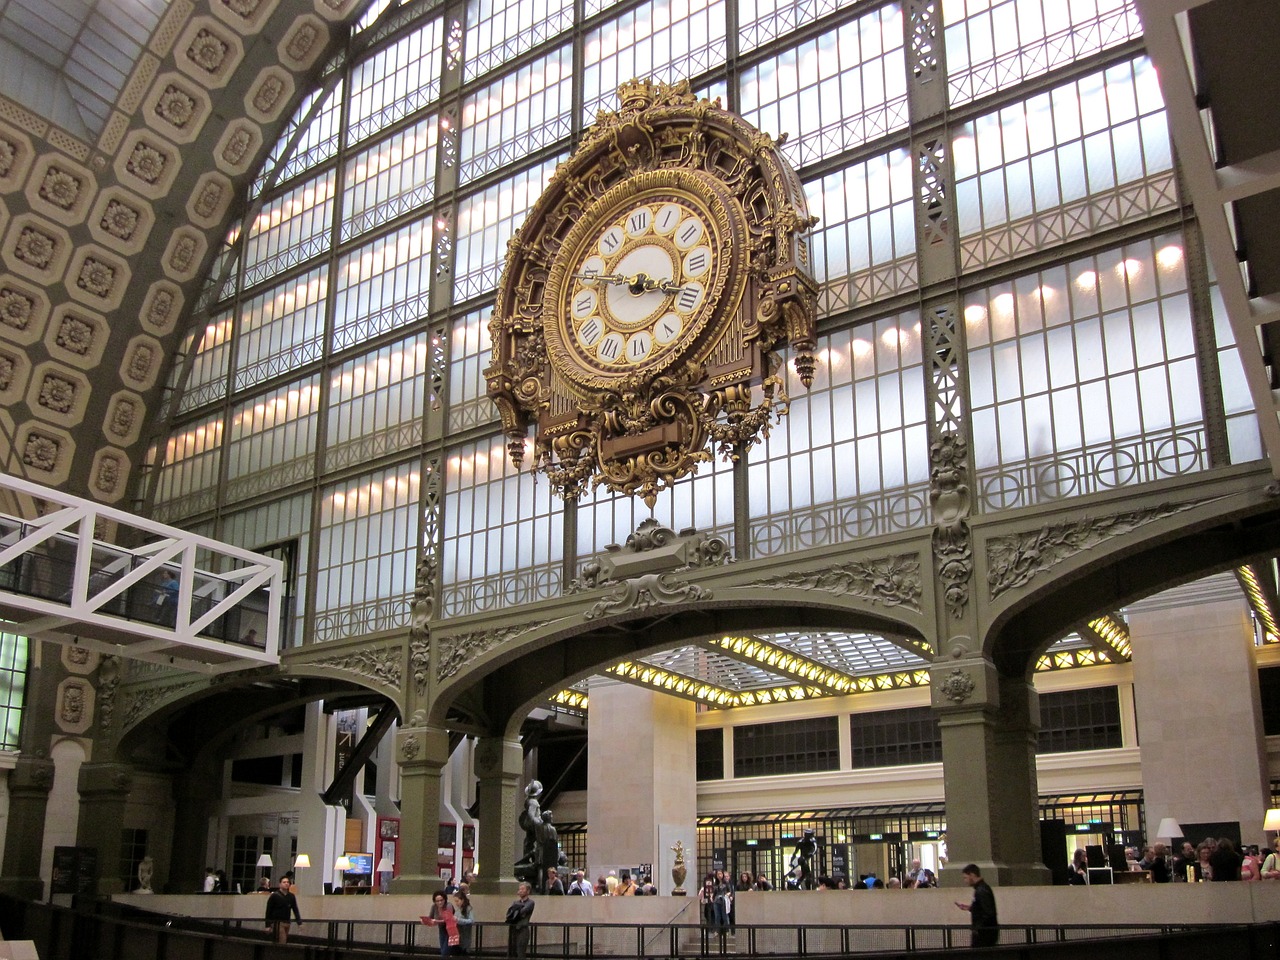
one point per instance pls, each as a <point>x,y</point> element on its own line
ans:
<point>441,917</point>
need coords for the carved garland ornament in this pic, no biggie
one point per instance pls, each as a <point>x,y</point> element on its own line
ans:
<point>642,299</point>
<point>381,666</point>
<point>1015,560</point>
<point>889,581</point>
<point>137,705</point>
<point>457,651</point>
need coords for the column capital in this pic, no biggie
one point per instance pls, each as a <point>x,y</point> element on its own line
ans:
<point>968,683</point>
<point>104,779</point>
<point>32,776</point>
<point>421,748</point>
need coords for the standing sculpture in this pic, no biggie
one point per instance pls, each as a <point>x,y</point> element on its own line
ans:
<point>802,861</point>
<point>678,869</point>
<point>541,840</point>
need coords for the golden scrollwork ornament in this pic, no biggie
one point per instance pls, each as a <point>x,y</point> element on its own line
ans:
<point>644,298</point>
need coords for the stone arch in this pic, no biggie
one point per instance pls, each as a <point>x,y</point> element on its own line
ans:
<point>1095,562</point>
<point>496,690</point>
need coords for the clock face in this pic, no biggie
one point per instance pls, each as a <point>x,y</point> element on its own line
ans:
<point>638,284</point>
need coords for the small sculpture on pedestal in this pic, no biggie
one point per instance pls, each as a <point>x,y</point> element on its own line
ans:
<point>678,870</point>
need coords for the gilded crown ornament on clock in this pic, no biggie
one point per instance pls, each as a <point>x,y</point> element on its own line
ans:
<point>645,297</point>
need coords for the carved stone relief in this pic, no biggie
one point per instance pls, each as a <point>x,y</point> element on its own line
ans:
<point>889,581</point>
<point>80,660</point>
<point>957,686</point>
<point>74,710</point>
<point>459,650</point>
<point>381,666</point>
<point>1016,560</point>
<point>645,592</point>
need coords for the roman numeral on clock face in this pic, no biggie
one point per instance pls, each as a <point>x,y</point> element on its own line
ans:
<point>610,347</point>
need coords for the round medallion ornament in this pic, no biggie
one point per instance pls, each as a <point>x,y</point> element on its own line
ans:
<point>646,294</point>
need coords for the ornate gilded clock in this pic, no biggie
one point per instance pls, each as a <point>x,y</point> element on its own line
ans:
<point>646,294</point>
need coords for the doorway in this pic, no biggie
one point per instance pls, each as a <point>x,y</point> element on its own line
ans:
<point>756,856</point>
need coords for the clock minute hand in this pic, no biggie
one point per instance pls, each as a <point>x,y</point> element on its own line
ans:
<point>603,277</point>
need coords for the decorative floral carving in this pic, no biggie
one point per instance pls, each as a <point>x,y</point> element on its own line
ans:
<point>35,248</point>
<point>8,157</point>
<point>41,452</point>
<point>108,684</point>
<point>957,686</point>
<point>243,8</point>
<point>119,219</point>
<point>208,51</point>
<point>420,663</point>
<point>60,188</point>
<point>96,277</point>
<point>57,394</point>
<point>1015,560</point>
<point>643,593</point>
<point>161,307</point>
<point>73,703</point>
<point>303,39</point>
<point>75,335</point>
<point>140,362</point>
<point>237,145</point>
<point>457,651</point>
<point>210,197</point>
<point>123,416</point>
<point>146,163</point>
<point>8,368</point>
<point>949,495</point>
<point>184,253</point>
<point>138,704</point>
<point>16,308</point>
<point>109,471</point>
<point>410,747</point>
<point>267,95</point>
<point>381,666</point>
<point>891,581</point>
<point>78,655</point>
<point>175,106</point>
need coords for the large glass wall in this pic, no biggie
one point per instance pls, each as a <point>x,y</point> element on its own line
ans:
<point>332,394</point>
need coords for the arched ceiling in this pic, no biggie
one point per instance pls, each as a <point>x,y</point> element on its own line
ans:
<point>127,131</point>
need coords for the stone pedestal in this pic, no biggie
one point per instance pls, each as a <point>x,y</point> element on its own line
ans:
<point>1199,719</point>
<point>989,726</point>
<point>641,785</point>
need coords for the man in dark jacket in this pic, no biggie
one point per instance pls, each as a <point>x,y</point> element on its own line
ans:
<point>280,905</point>
<point>982,911</point>
<point>518,915</point>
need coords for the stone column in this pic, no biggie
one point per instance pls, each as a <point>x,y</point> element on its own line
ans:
<point>642,792</point>
<point>29,785</point>
<point>421,753</point>
<point>1199,719</point>
<point>196,795</point>
<point>499,769</point>
<point>989,726</point>
<point>104,791</point>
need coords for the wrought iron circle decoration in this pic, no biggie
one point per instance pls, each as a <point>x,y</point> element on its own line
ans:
<point>644,298</point>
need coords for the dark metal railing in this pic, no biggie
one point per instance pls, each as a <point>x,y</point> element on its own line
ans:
<point>584,941</point>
